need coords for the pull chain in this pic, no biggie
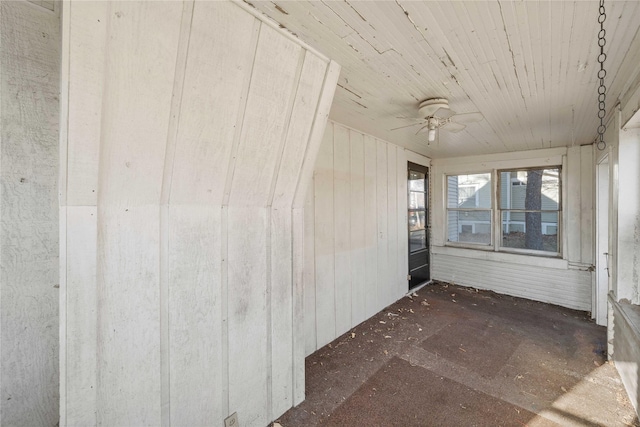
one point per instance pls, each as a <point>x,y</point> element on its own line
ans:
<point>602,73</point>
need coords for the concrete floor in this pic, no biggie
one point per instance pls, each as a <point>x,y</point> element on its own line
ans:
<point>454,356</point>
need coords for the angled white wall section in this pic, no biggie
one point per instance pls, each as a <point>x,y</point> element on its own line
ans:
<point>29,84</point>
<point>627,234</point>
<point>565,281</point>
<point>355,232</point>
<point>623,142</point>
<point>191,129</point>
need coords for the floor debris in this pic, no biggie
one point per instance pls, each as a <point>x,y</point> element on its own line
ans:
<point>495,356</point>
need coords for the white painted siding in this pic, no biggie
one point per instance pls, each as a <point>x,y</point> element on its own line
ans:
<point>356,216</point>
<point>29,83</point>
<point>186,149</point>
<point>567,281</point>
<point>561,286</point>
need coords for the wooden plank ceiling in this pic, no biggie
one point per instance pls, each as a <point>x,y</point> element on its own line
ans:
<point>528,66</point>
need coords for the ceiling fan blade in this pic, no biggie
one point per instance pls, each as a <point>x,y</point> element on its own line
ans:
<point>444,113</point>
<point>453,127</point>
<point>410,118</point>
<point>423,129</point>
<point>405,126</point>
<point>468,117</point>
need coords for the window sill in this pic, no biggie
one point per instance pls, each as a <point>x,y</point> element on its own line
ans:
<point>487,253</point>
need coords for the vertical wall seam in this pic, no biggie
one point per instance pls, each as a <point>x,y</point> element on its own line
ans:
<point>392,211</point>
<point>399,221</point>
<point>305,159</point>
<point>375,147</point>
<point>285,130</point>
<point>333,226</point>
<point>299,174</point>
<point>224,226</point>
<point>165,195</point>
<point>65,34</point>
<point>99,190</point>
<point>1,192</point>
<point>224,325</point>
<point>268,321</point>
<point>315,252</point>
<point>429,220</point>
<point>242,109</point>
<point>176,101</point>
<point>64,102</point>
<point>292,296</point>
<point>351,280</point>
<point>315,282</point>
<point>274,180</point>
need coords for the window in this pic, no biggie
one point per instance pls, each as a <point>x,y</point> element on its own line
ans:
<point>527,209</point>
<point>469,209</point>
<point>530,211</point>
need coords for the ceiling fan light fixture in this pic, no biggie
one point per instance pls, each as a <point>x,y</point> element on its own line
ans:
<point>432,135</point>
<point>432,125</point>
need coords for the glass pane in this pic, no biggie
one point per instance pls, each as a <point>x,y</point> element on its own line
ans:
<point>535,189</point>
<point>530,230</point>
<point>416,200</point>
<point>417,221</point>
<point>469,191</point>
<point>510,194</point>
<point>416,181</point>
<point>469,227</point>
<point>417,240</point>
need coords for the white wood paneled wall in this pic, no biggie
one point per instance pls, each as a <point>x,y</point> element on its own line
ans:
<point>566,282</point>
<point>29,83</point>
<point>505,274</point>
<point>355,234</point>
<point>626,231</point>
<point>191,127</point>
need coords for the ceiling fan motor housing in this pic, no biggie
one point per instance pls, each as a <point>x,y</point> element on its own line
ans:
<point>429,106</point>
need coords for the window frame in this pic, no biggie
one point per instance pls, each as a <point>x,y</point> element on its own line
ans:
<point>498,220</point>
<point>496,228</point>
<point>490,209</point>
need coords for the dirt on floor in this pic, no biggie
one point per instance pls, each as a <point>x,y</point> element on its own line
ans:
<point>448,355</point>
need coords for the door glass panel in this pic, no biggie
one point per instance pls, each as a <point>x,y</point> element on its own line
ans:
<point>418,223</point>
<point>416,181</point>
<point>417,240</point>
<point>417,220</point>
<point>416,200</point>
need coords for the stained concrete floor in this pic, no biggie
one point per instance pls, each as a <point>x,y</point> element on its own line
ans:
<point>455,356</point>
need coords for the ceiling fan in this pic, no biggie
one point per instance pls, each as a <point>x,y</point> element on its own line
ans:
<point>435,114</point>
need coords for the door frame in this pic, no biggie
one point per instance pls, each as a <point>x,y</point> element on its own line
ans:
<point>427,171</point>
<point>602,280</point>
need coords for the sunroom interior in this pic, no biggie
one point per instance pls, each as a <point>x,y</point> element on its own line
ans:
<point>197,195</point>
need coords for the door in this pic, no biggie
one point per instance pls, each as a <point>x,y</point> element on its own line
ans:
<point>418,218</point>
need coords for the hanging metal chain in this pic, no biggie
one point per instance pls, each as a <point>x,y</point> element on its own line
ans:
<point>602,73</point>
